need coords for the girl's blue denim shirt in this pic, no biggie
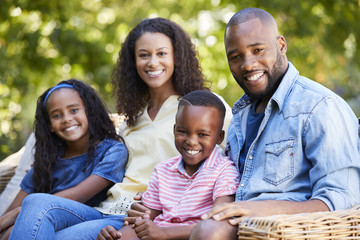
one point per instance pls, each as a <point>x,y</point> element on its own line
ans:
<point>307,146</point>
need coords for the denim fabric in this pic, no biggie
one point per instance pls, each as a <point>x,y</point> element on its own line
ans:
<point>45,216</point>
<point>307,146</point>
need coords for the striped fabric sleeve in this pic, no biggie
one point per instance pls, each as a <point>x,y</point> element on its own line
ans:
<point>151,197</point>
<point>227,181</point>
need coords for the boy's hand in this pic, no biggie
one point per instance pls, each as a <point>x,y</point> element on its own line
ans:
<point>108,233</point>
<point>138,196</point>
<point>147,229</point>
<point>137,211</point>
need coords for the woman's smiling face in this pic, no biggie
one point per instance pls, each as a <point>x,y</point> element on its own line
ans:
<point>154,55</point>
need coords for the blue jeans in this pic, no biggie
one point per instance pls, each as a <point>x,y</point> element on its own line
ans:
<point>45,216</point>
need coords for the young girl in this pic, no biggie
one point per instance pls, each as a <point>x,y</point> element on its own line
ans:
<point>78,154</point>
<point>157,64</point>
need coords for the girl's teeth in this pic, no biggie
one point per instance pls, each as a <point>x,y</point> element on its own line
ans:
<point>70,128</point>
<point>255,77</point>
<point>155,72</point>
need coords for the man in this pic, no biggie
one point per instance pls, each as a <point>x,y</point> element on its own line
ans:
<point>295,143</point>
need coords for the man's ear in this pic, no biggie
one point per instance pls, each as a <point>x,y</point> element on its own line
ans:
<point>281,42</point>
<point>174,129</point>
<point>221,137</point>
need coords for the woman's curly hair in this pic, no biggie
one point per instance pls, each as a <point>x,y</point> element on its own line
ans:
<point>132,94</point>
<point>49,146</point>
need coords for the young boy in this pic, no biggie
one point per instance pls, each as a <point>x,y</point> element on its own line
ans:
<point>185,187</point>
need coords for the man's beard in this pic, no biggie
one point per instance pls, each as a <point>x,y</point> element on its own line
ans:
<point>274,79</point>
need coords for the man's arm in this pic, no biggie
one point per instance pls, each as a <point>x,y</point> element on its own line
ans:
<point>238,210</point>
<point>333,148</point>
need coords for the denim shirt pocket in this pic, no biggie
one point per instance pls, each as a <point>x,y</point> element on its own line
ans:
<point>279,161</point>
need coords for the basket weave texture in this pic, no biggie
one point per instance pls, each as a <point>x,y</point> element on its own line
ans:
<point>339,224</point>
<point>6,173</point>
<point>8,167</point>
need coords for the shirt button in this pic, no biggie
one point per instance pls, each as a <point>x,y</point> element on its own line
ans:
<point>242,185</point>
<point>250,157</point>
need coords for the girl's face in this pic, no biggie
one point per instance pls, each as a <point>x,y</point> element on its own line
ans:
<point>154,56</point>
<point>68,118</point>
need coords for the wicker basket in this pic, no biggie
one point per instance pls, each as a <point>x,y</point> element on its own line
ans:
<point>6,174</point>
<point>340,224</point>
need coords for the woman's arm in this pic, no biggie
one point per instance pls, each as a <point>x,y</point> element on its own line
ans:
<point>86,189</point>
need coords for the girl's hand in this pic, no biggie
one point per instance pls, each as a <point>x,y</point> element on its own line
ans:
<point>108,233</point>
<point>6,234</point>
<point>7,222</point>
<point>147,229</point>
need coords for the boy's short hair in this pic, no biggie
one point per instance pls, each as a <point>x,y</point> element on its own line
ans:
<point>203,98</point>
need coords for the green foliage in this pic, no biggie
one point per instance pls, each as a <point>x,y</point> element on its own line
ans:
<point>43,42</point>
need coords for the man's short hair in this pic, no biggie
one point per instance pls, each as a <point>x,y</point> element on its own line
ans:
<point>248,14</point>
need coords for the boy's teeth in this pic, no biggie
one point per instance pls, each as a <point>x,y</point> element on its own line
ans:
<point>255,77</point>
<point>192,152</point>
<point>155,72</point>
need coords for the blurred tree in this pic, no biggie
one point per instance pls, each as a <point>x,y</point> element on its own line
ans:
<point>43,42</point>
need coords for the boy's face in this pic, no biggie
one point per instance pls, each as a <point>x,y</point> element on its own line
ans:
<point>197,130</point>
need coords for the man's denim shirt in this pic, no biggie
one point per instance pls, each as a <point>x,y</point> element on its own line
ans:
<point>307,146</point>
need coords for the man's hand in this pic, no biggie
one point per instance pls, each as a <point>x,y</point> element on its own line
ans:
<point>108,233</point>
<point>236,211</point>
<point>147,229</point>
<point>137,211</point>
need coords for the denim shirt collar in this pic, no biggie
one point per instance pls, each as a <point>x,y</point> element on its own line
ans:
<point>280,94</point>
<point>285,86</point>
